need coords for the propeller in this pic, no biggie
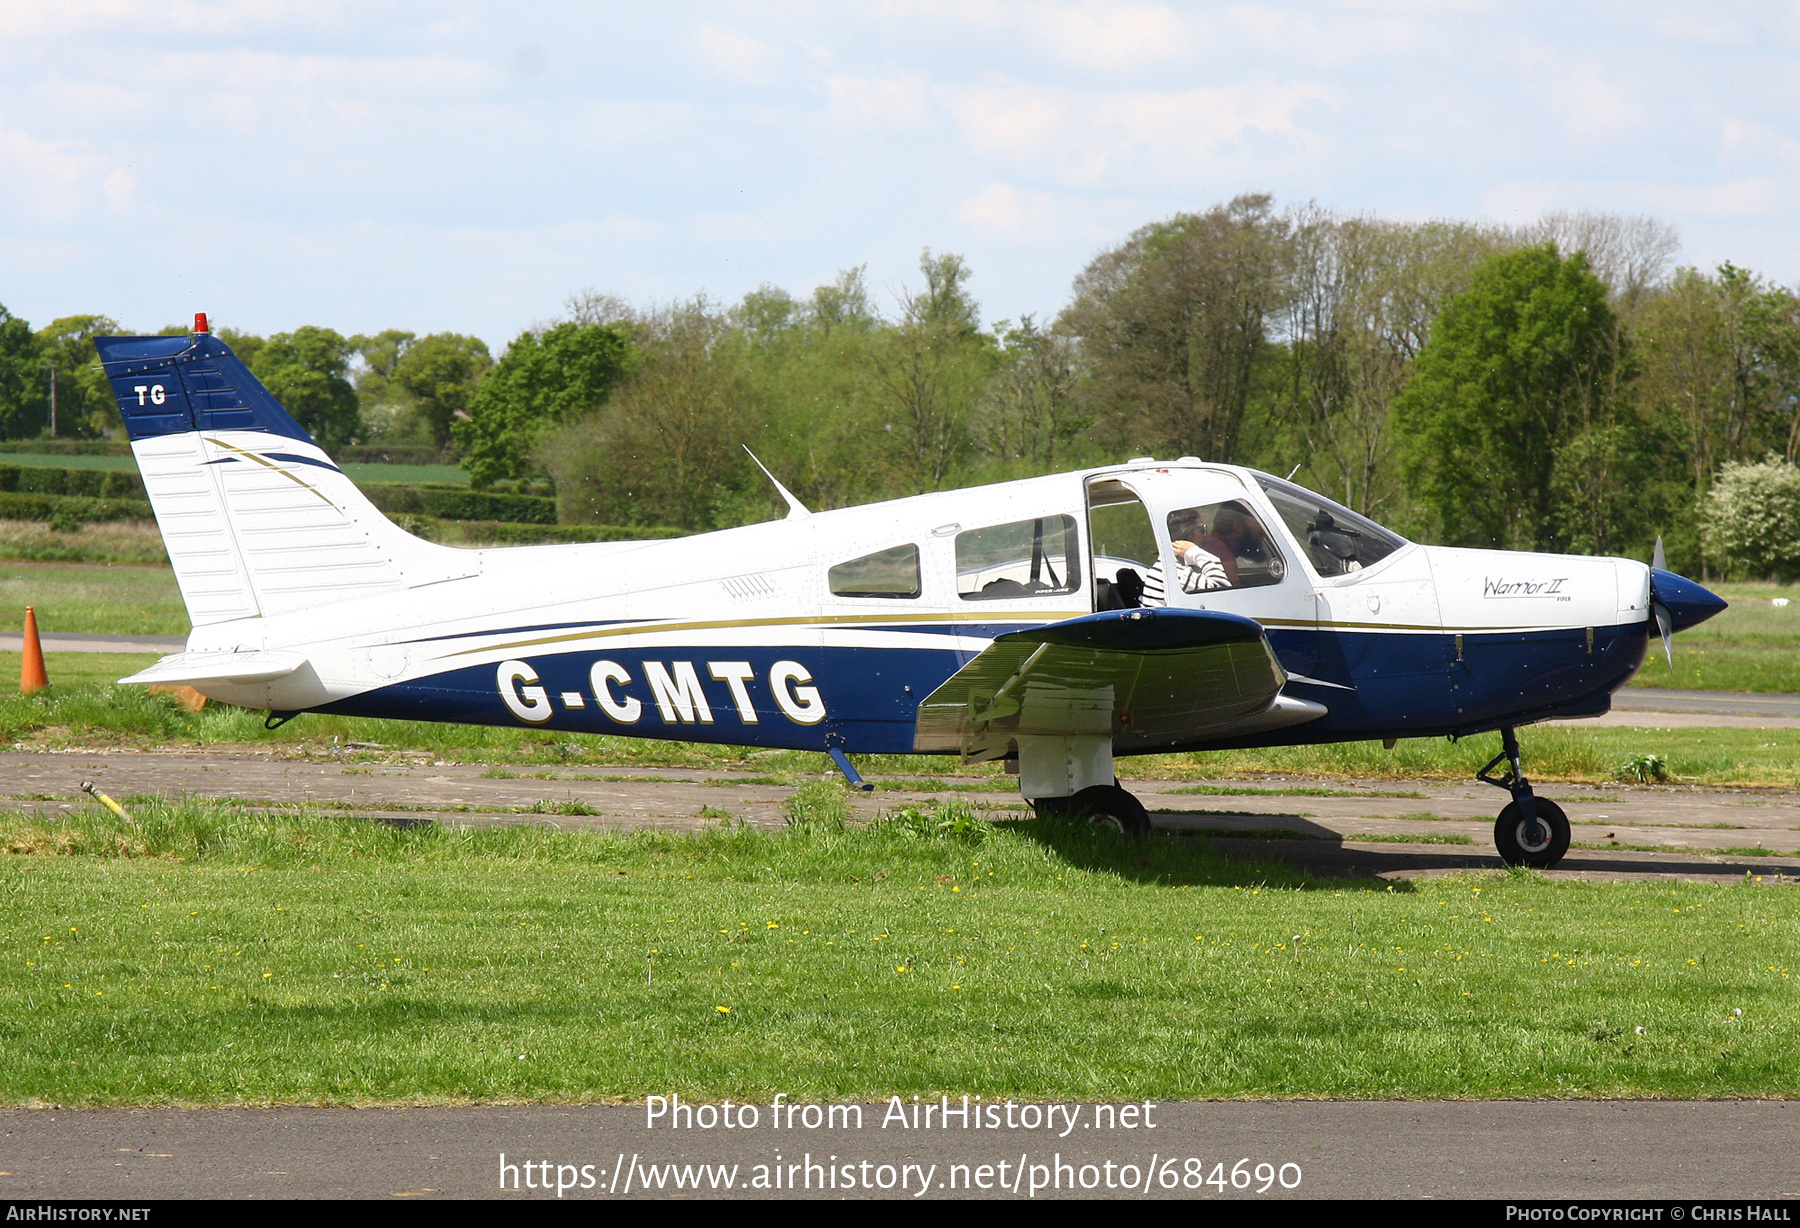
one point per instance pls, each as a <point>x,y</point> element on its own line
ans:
<point>1665,623</point>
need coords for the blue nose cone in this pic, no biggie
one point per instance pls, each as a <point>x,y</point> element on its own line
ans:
<point>1688,604</point>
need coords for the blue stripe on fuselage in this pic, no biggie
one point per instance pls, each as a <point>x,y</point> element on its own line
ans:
<point>870,695</point>
<point>1404,685</point>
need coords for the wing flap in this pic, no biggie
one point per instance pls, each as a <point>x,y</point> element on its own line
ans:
<point>1147,678</point>
<point>199,668</point>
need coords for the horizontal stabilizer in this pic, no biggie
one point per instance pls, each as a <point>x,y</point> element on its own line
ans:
<point>199,668</point>
<point>1147,679</point>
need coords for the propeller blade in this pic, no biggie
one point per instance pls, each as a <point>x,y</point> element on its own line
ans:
<point>1656,556</point>
<point>1665,625</point>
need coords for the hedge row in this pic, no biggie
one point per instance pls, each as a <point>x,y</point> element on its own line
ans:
<point>69,510</point>
<point>67,447</point>
<point>442,501</point>
<point>94,483</point>
<point>363,453</point>
<point>460,503</point>
<point>392,454</point>
<point>500,533</point>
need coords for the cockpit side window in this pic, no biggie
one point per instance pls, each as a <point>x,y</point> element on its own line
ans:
<point>892,573</point>
<point>1220,546</point>
<point>1027,558</point>
<point>1337,540</point>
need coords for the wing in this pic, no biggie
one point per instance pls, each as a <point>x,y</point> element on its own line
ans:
<point>1150,679</point>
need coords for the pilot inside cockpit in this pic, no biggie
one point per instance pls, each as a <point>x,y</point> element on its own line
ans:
<point>1217,546</point>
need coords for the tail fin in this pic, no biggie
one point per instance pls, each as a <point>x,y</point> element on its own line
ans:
<point>256,518</point>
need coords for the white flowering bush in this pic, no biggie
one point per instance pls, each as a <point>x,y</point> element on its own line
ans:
<point>1751,519</point>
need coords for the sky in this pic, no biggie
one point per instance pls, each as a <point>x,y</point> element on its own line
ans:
<point>465,167</point>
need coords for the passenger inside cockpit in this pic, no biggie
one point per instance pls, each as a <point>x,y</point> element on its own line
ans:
<point>1217,546</point>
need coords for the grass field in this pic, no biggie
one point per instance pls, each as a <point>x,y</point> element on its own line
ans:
<point>1753,646</point>
<point>203,955</point>
<point>108,599</point>
<point>357,471</point>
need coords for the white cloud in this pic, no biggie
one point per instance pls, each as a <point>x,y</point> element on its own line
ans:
<point>738,57</point>
<point>1756,197</point>
<point>47,181</point>
<point>896,104</point>
<point>1082,137</point>
<point>1002,210</point>
<point>1111,36</point>
<point>120,187</point>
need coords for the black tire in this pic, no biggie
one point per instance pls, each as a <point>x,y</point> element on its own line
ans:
<point>1509,836</point>
<point>1110,806</point>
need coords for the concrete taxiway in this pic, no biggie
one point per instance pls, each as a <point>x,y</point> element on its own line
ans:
<point>1333,1149</point>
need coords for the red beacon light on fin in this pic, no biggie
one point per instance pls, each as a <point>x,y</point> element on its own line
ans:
<point>200,322</point>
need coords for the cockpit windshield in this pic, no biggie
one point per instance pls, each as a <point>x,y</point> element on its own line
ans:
<point>1338,541</point>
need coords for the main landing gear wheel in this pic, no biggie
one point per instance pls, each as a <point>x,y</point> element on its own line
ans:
<point>1110,806</point>
<point>1517,848</point>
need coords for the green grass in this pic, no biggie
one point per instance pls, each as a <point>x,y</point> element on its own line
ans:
<point>363,471</point>
<point>98,598</point>
<point>1753,646</point>
<point>208,955</point>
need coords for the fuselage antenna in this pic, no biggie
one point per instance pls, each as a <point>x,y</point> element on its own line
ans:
<point>796,509</point>
<point>1293,471</point>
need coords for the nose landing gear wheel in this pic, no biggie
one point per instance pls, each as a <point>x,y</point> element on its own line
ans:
<point>1516,846</point>
<point>1110,806</point>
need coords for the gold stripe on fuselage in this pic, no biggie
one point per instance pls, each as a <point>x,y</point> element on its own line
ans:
<point>881,622</point>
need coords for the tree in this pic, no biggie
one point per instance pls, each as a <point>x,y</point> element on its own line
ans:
<point>928,372</point>
<point>1751,519</point>
<point>305,370</point>
<point>1362,295</point>
<point>1631,254</point>
<point>810,362</point>
<point>379,354</point>
<point>439,374</point>
<point>1029,408</point>
<point>244,345</point>
<point>1517,366</point>
<point>843,303</point>
<point>1174,324</point>
<point>84,396</point>
<point>666,448</point>
<point>543,381</point>
<point>23,404</point>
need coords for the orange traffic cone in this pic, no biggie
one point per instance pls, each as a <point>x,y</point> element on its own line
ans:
<point>32,676</point>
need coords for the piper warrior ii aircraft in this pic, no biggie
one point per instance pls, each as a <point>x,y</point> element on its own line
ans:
<point>1053,623</point>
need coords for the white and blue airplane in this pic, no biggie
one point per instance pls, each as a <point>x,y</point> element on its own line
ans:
<point>1052,623</point>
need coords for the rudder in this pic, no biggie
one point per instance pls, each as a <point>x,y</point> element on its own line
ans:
<point>256,518</point>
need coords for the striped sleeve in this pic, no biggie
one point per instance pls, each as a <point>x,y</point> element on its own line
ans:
<point>1153,586</point>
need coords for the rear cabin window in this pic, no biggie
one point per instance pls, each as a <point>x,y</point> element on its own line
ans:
<point>888,573</point>
<point>1027,558</point>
